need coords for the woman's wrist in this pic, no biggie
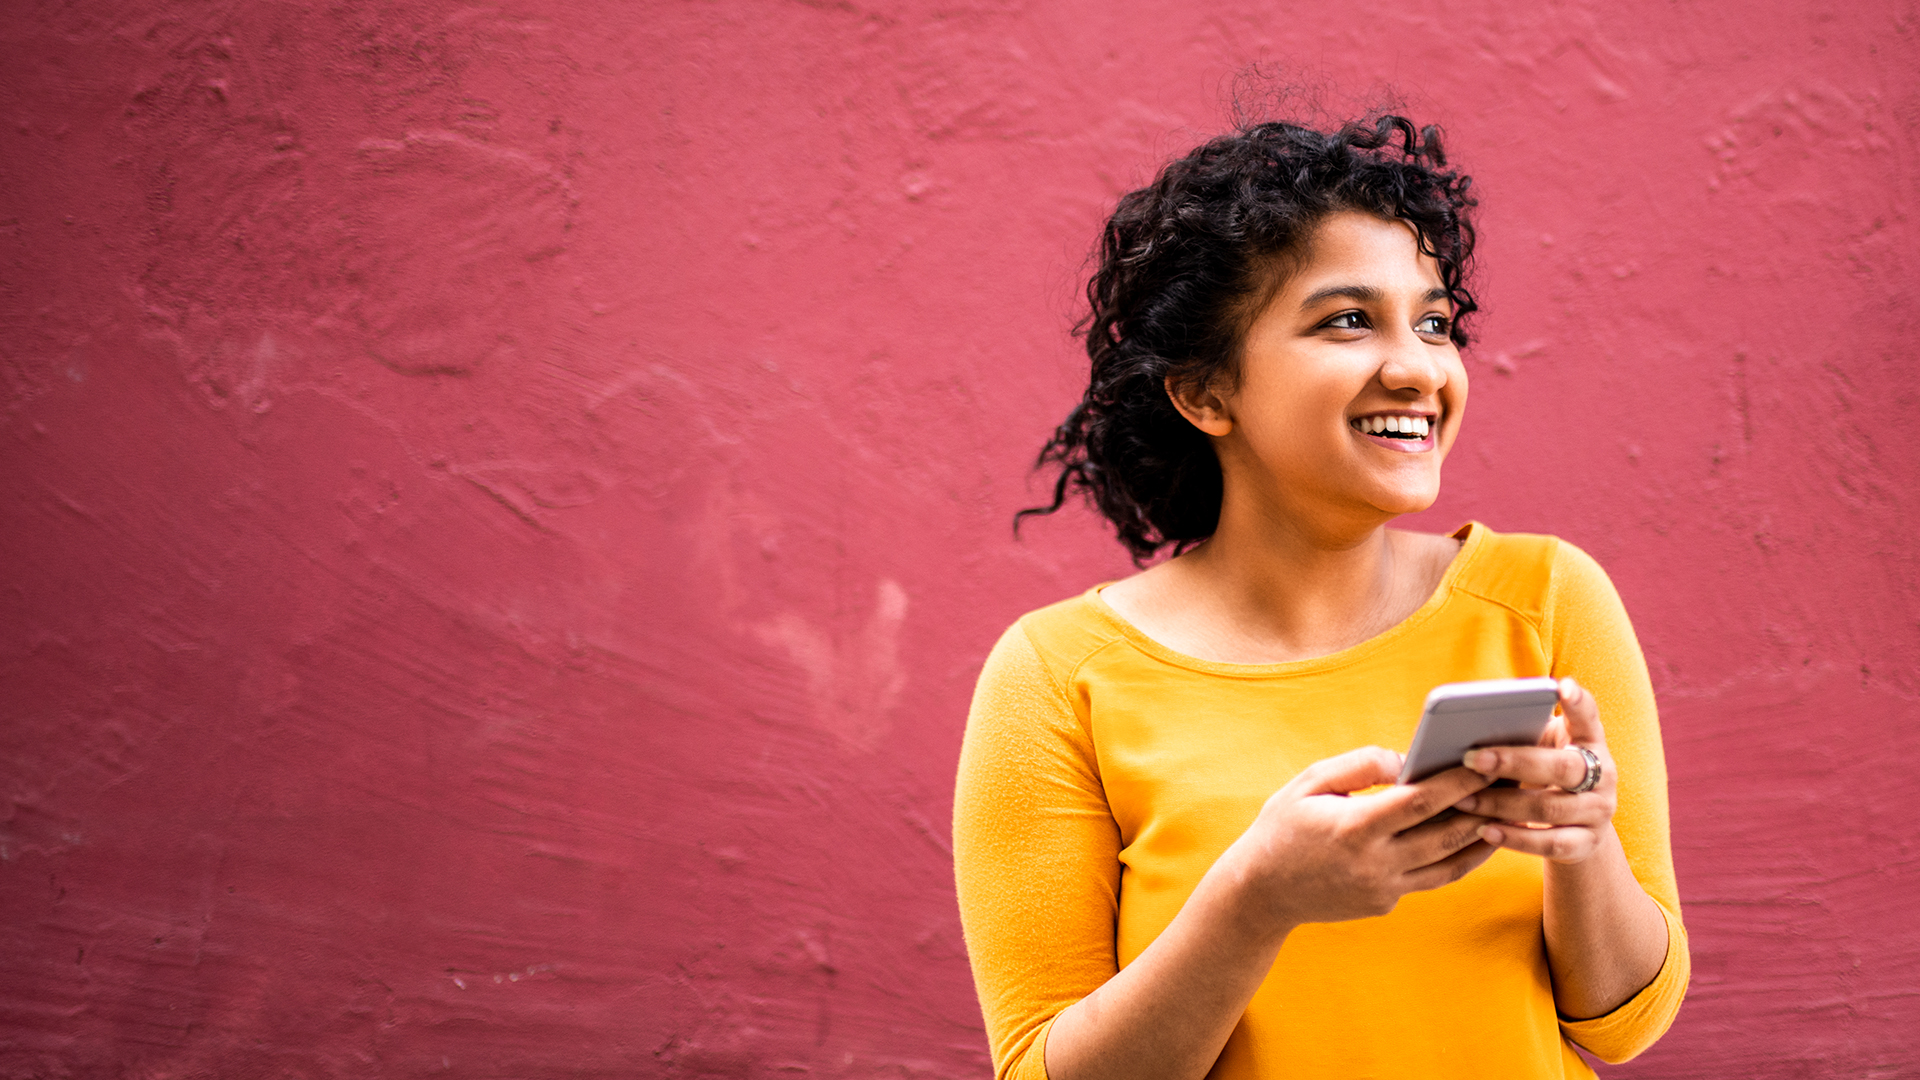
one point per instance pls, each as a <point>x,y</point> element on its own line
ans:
<point>1169,1012</point>
<point>1247,901</point>
<point>1606,939</point>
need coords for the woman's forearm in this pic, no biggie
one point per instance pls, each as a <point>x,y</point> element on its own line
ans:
<point>1169,1013</point>
<point>1606,938</point>
<point>1314,854</point>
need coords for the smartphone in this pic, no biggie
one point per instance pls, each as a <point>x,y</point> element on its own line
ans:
<point>1490,712</point>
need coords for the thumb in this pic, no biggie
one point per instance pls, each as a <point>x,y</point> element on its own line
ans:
<point>1346,772</point>
<point>1582,714</point>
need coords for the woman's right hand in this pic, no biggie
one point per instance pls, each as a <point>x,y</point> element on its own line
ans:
<point>1319,854</point>
<point>1314,854</point>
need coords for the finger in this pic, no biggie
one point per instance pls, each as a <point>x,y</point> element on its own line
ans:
<point>1351,771</point>
<point>1407,805</point>
<point>1567,844</point>
<point>1582,714</point>
<point>1554,735</point>
<point>1566,768</point>
<point>1545,806</point>
<point>1435,839</point>
<point>1450,869</point>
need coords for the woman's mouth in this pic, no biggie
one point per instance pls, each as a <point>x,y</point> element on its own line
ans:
<point>1401,432</point>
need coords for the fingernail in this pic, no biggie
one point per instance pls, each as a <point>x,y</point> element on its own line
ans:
<point>1478,760</point>
<point>1492,835</point>
<point>1465,805</point>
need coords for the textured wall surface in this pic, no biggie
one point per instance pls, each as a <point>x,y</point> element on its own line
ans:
<point>503,504</point>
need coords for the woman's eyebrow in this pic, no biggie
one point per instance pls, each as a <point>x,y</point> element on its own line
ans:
<point>1366,294</point>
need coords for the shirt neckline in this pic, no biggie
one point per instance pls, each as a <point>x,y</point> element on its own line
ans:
<point>1472,536</point>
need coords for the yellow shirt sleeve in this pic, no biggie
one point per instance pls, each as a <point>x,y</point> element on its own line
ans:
<point>1036,856</point>
<point>1590,638</point>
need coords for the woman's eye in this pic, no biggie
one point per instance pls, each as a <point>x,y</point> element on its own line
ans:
<point>1436,325</point>
<point>1347,320</point>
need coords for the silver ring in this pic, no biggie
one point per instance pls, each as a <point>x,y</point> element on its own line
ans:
<point>1593,773</point>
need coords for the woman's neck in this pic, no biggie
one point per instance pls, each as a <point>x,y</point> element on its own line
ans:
<point>1267,590</point>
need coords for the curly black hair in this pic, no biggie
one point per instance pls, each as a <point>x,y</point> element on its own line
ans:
<point>1186,262</point>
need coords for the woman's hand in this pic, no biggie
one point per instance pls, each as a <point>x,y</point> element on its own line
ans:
<point>1543,816</point>
<point>1315,853</point>
<point>1318,854</point>
<point>1606,939</point>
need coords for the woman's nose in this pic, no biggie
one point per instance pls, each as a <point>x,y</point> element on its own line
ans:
<point>1412,364</point>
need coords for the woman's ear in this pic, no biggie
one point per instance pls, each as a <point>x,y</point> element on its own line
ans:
<point>1202,407</point>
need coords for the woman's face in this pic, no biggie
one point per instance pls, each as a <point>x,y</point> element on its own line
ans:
<point>1350,390</point>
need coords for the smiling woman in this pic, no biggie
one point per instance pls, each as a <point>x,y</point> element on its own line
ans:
<point>1348,384</point>
<point>1177,853</point>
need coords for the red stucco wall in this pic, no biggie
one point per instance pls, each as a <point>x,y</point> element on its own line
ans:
<point>504,504</point>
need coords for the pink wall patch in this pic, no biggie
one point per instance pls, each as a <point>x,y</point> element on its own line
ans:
<point>504,506</point>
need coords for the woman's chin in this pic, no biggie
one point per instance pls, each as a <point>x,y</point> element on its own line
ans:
<point>1404,501</point>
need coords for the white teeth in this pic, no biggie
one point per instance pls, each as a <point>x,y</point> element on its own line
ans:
<point>1415,426</point>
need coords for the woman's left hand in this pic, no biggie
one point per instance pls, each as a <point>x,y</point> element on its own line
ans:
<point>1544,817</point>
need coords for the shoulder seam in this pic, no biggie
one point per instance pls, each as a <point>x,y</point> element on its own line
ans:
<point>1096,651</point>
<point>1545,627</point>
<point>1497,602</point>
<point>1064,694</point>
<point>1085,723</point>
<point>1538,623</point>
<point>1052,679</point>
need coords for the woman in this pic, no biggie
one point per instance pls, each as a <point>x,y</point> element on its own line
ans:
<point>1172,859</point>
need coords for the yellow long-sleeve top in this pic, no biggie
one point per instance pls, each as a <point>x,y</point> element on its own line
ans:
<point>1103,774</point>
